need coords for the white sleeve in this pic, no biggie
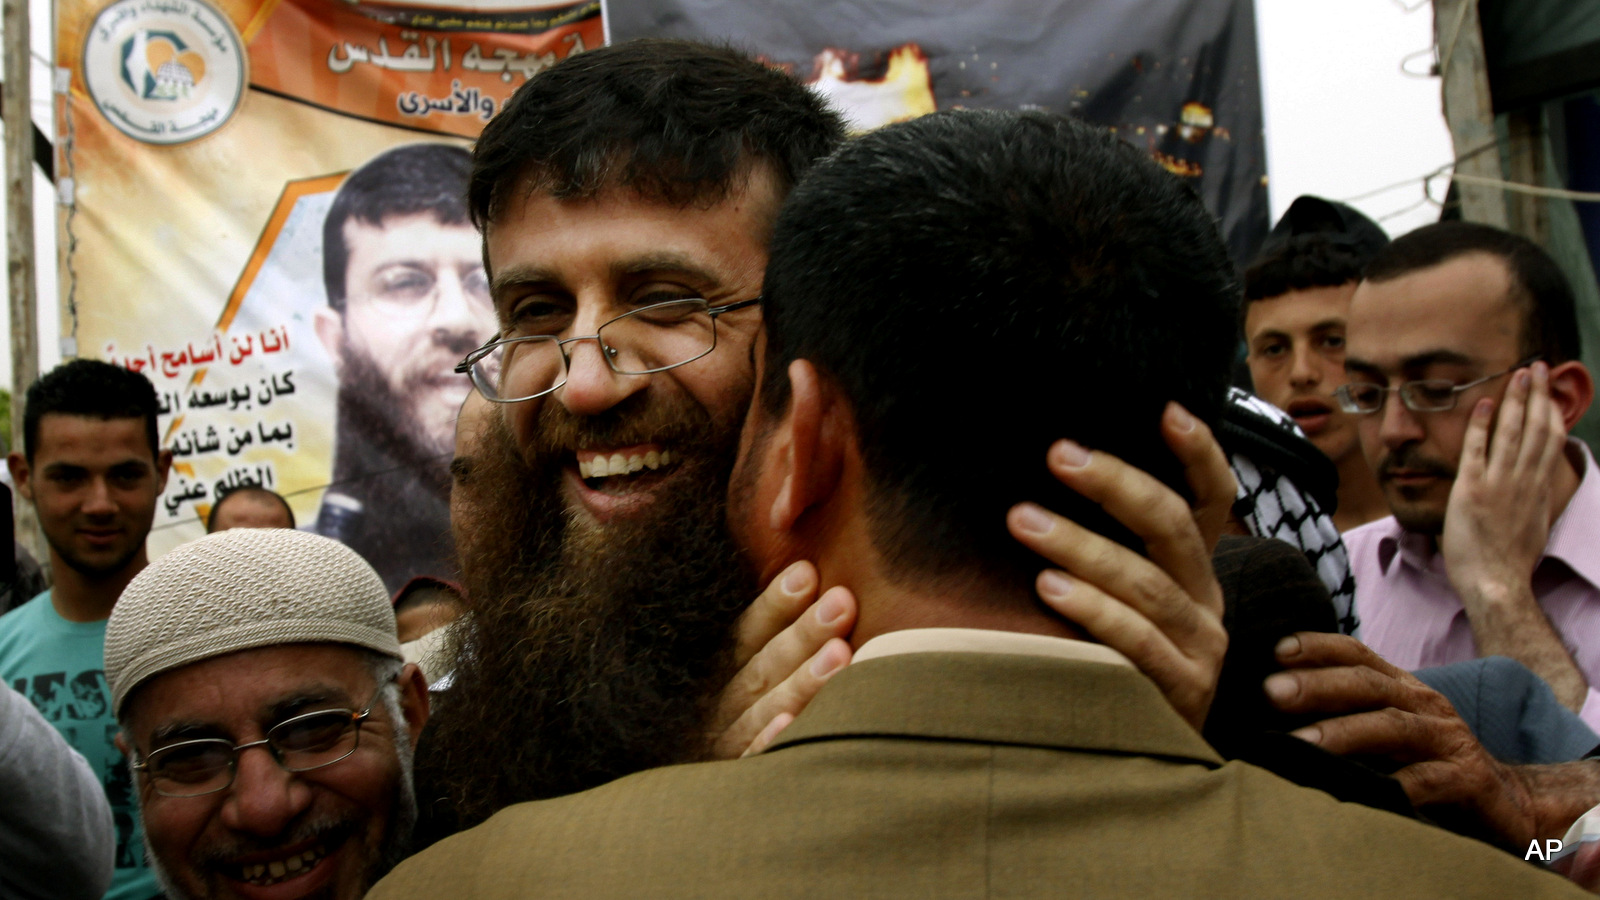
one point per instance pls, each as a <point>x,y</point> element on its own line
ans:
<point>56,834</point>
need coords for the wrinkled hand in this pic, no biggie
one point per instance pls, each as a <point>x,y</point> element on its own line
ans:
<point>1498,518</point>
<point>1163,612</point>
<point>786,647</point>
<point>1376,709</point>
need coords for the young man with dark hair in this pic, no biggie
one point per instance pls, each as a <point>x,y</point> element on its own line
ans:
<point>1297,301</point>
<point>978,745</point>
<point>249,507</point>
<point>407,297</point>
<point>1464,373</point>
<point>93,469</point>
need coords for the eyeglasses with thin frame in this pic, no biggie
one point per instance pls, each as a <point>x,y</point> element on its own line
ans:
<point>1426,395</point>
<point>643,341</point>
<point>298,744</point>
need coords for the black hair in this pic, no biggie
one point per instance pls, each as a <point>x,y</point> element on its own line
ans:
<point>1304,261</point>
<point>93,389</point>
<point>252,490</point>
<point>405,181</point>
<point>676,121</point>
<point>987,282</point>
<point>1538,287</point>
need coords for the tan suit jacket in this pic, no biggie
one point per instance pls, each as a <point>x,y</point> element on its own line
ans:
<point>965,775</point>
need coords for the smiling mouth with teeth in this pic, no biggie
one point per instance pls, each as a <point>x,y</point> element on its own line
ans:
<point>263,874</point>
<point>600,469</point>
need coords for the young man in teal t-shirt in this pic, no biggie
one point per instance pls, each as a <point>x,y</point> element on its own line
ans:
<point>92,468</point>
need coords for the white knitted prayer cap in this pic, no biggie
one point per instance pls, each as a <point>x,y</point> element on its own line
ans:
<point>238,590</point>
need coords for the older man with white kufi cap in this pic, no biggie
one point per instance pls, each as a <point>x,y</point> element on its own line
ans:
<point>267,717</point>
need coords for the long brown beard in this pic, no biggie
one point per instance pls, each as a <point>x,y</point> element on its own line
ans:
<point>582,660</point>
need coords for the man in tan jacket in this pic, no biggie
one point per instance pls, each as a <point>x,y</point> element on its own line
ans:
<point>976,746</point>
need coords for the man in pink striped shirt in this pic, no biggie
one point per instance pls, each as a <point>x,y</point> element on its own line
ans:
<point>1463,360</point>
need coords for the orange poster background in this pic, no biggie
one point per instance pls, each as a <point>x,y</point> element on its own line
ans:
<point>331,55</point>
<point>160,244</point>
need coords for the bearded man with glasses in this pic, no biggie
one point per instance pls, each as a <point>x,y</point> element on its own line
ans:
<point>267,717</point>
<point>1463,370</point>
<point>626,197</point>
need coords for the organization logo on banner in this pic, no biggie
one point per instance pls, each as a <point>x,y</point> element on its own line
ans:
<point>164,71</point>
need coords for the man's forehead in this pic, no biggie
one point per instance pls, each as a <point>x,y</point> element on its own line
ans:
<point>255,684</point>
<point>56,422</point>
<point>356,225</point>
<point>1300,309</point>
<point>753,196</point>
<point>1461,305</point>
<point>64,436</point>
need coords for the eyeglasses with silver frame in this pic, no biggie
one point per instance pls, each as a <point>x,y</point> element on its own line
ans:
<point>298,744</point>
<point>643,341</point>
<point>1364,398</point>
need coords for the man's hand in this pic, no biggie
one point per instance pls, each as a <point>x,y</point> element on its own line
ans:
<point>1379,710</point>
<point>1163,612</point>
<point>1497,524</point>
<point>786,648</point>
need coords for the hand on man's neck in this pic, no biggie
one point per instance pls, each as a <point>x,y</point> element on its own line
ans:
<point>78,597</point>
<point>808,497</point>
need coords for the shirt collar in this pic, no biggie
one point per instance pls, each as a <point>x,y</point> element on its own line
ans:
<point>1389,543</point>
<point>1572,535</point>
<point>982,640</point>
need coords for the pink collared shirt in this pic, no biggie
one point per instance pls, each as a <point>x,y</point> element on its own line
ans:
<point>1412,616</point>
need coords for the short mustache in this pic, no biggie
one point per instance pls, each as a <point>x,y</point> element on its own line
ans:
<point>1411,461</point>
<point>327,832</point>
<point>634,421</point>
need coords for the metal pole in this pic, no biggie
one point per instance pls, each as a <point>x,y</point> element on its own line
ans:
<point>1467,109</point>
<point>17,99</point>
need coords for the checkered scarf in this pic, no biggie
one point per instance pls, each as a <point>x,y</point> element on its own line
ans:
<point>1268,451</point>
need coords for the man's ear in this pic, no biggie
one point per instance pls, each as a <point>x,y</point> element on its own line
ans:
<point>414,702</point>
<point>329,326</point>
<point>1571,389</point>
<point>163,469</point>
<point>121,740</point>
<point>810,446</point>
<point>18,464</point>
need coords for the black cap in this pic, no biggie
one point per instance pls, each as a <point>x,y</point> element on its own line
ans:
<point>1340,224</point>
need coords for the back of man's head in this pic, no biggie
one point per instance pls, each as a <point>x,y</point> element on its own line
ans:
<point>406,181</point>
<point>1538,287</point>
<point>93,389</point>
<point>249,507</point>
<point>979,284</point>
<point>676,121</point>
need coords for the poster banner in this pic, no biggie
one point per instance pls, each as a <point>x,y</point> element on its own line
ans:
<point>1178,78</point>
<point>262,212</point>
<point>261,199</point>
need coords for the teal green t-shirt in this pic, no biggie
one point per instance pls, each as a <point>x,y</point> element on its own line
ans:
<point>59,666</point>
